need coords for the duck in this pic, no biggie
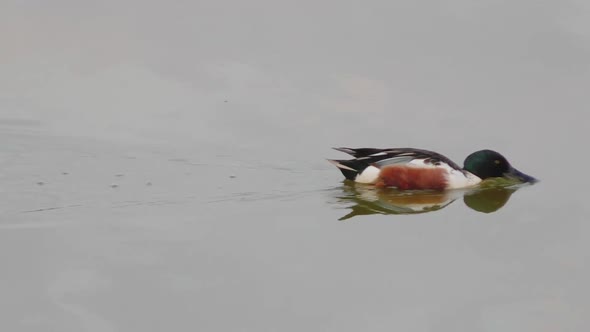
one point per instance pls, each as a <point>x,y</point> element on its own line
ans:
<point>418,169</point>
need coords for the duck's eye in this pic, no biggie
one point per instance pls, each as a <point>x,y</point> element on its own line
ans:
<point>497,162</point>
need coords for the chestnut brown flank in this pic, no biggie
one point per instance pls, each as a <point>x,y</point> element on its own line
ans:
<point>412,178</point>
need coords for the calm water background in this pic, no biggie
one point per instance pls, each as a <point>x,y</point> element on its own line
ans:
<point>162,166</point>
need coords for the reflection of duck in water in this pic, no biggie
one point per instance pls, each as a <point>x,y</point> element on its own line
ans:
<point>372,200</point>
<point>415,169</point>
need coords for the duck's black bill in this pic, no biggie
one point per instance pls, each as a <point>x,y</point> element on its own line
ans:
<point>513,173</point>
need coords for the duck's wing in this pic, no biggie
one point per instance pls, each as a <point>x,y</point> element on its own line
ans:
<point>384,157</point>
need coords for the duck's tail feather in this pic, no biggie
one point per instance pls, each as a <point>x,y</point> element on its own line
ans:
<point>350,168</point>
<point>359,152</point>
<point>350,151</point>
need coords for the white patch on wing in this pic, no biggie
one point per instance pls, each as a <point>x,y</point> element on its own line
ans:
<point>368,175</point>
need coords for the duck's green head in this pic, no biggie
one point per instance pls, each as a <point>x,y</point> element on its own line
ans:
<point>490,164</point>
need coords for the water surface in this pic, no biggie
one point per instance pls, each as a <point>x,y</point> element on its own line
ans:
<point>163,167</point>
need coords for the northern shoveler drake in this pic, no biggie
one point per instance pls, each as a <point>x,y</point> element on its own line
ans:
<point>415,169</point>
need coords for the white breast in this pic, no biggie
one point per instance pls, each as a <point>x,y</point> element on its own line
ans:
<point>458,179</point>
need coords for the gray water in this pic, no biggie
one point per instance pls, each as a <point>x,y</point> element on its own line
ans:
<point>162,166</point>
